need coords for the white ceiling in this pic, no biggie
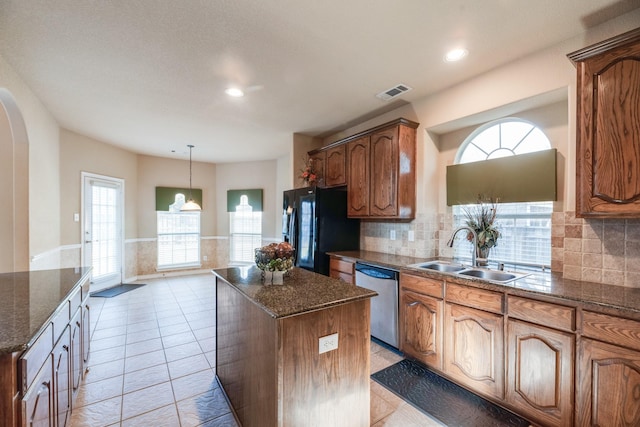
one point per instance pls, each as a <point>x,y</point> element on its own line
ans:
<point>149,75</point>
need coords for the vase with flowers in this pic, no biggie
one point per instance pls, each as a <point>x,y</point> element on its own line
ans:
<point>481,218</point>
<point>308,174</point>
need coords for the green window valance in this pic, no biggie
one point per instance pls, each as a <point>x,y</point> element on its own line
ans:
<point>166,196</point>
<point>527,177</point>
<point>254,197</point>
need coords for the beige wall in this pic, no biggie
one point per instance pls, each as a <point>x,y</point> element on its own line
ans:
<point>79,153</point>
<point>42,131</point>
<point>162,172</point>
<point>239,176</point>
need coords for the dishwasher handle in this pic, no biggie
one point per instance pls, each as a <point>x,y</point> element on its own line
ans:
<point>377,272</point>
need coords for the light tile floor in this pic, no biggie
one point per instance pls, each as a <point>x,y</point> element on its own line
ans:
<point>152,362</point>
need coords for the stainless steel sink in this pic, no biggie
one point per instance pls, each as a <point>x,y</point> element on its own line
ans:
<point>462,271</point>
<point>496,276</point>
<point>439,266</point>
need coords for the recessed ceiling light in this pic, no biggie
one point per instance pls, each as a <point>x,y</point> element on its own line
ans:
<point>455,55</point>
<point>235,92</point>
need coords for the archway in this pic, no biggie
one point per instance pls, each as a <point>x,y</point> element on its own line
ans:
<point>14,190</point>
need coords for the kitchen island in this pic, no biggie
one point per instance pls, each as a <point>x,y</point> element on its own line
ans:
<point>295,354</point>
<point>44,344</point>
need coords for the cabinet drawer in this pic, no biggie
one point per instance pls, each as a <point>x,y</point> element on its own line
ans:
<point>349,278</point>
<point>75,300</point>
<point>340,265</point>
<point>542,313</point>
<point>422,285</point>
<point>474,297</point>
<point>614,330</point>
<point>60,320</point>
<point>33,359</point>
<point>85,290</point>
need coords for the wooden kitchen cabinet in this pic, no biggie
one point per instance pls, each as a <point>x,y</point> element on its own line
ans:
<point>342,269</point>
<point>608,128</point>
<point>540,373</point>
<point>336,166</point>
<point>421,314</point>
<point>608,373</point>
<point>358,155</point>
<point>38,401</point>
<point>318,160</point>
<point>474,349</point>
<point>608,383</point>
<point>381,176</point>
<point>62,379</point>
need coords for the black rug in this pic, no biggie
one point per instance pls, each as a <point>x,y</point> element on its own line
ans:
<point>442,399</point>
<point>116,290</point>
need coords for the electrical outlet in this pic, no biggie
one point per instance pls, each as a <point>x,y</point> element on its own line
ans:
<point>411,236</point>
<point>392,235</point>
<point>328,343</point>
<point>205,258</point>
<point>76,217</point>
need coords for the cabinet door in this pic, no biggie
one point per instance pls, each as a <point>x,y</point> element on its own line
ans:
<point>474,349</point>
<point>37,404</point>
<point>358,177</point>
<point>384,173</point>
<point>608,385</point>
<point>86,334</point>
<point>76,352</point>
<point>421,328</point>
<point>62,379</point>
<point>540,373</point>
<point>608,139</point>
<point>318,165</point>
<point>335,171</point>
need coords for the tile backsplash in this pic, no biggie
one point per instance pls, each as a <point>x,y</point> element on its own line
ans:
<point>594,250</point>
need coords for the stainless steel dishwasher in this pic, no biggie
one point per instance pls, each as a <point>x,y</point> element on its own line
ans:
<point>384,307</point>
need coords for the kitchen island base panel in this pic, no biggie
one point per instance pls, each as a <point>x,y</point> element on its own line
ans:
<point>271,369</point>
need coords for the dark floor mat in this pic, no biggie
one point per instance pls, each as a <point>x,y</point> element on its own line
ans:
<point>442,399</point>
<point>116,290</point>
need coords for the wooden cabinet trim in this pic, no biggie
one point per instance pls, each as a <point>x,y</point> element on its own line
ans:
<point>605,45</point>
<point>422,285</point>
<point>614,330</point>
<point>542,313</point>
<point>481,299</point>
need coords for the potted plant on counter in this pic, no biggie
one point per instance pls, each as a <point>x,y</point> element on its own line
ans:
<point>481,218</point>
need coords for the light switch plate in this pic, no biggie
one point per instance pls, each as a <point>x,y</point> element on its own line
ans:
<point>392,235</point>
<point>328,343</point>
<point>411,237</point>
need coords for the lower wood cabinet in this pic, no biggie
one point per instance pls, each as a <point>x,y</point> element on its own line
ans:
<point>38,403</point>
<point>608,385</point>
<point>474,349</point>
<point>540,373</point>
<point>62,379</point>
<point>342,269</point>
<point>421,316</point>
<point>76,368</point>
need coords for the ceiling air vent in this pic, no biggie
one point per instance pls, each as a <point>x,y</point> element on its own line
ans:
<point>393,92</point>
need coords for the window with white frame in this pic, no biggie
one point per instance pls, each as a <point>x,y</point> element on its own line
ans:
<point>178,237</point>
<point>245,232</point>
<point>525,227</point>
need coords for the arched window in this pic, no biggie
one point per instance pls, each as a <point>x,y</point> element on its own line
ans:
<point>525,227</point>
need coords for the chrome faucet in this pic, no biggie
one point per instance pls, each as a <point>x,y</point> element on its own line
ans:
<point>474,242</point>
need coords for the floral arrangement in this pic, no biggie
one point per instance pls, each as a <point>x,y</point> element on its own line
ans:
<point>481,218</point>
<point>308,175</point>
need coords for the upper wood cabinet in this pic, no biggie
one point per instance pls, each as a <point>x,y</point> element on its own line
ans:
<point>381,175</point>
<point>379,168</point>
<point>335,172</point>
<point>608,128</point>
<point>358,155</point>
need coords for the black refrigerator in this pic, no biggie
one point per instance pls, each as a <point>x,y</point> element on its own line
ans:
<point>314,222</point>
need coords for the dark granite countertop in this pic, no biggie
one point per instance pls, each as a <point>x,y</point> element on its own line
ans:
<point>610,299</point>
<point>27,301</point>
<point>301,291</point>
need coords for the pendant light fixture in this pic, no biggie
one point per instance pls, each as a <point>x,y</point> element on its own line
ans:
<point>191,205</point>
